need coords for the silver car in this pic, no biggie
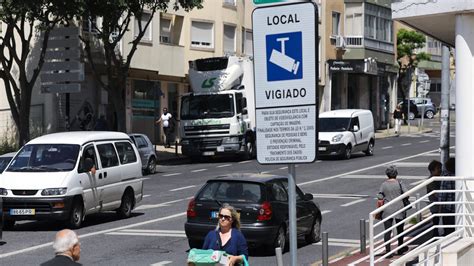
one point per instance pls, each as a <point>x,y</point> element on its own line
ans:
<point>147,152</point>
<point>425,106</point>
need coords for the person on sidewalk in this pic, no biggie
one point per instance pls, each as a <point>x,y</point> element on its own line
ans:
<point>389,190</point>
<point>435,168</point>
<point>67,249</point>
<point>398,116</point>
<point>165,119</point>
<point>449,170</point>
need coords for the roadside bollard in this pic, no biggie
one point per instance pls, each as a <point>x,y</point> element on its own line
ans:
<point>325,249</point>
<point>362,236</point>
<point>279,256</point>
<point>176,148</point>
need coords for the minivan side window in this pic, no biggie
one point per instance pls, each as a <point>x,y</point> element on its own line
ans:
<point>89,152</point>
<point>126,152</point>
<point>107,155</point>
<point>141,142</point>
<point>354,122</point>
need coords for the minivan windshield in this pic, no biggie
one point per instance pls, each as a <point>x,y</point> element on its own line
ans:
<point>334,124</point>
<point>45,158</point>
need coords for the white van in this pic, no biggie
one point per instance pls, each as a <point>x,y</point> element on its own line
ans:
<point>343,132</point>
<point>66,176</point>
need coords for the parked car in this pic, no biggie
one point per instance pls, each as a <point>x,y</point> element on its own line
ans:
<point>262,201</point>
<point>147,152</point>
<point>345,131</point>
<point>425,106</point>
<point>413,109</point>
<point>5,159</point>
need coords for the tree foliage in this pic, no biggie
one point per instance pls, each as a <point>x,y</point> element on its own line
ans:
<point>408,56</point>
<point>28,24</point>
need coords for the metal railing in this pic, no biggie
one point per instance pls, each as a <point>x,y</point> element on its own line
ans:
<point>464,206</point>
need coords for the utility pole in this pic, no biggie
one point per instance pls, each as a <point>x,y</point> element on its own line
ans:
<point>444,139</point>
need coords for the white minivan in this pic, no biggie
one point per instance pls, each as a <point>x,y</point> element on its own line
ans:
<point>345,131</point>
<point>66,176</point>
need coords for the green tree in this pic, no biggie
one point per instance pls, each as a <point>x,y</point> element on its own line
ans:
<point>117,17</point>
<point>28,25</point>
<point>408,57</point>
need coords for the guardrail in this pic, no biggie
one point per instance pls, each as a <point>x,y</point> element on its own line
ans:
<point>463,202</point>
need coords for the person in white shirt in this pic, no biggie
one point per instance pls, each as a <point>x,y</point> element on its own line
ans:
<point>165,119</point>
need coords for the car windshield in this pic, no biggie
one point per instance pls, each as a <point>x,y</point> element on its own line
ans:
<point>45,158</point>
<point>4,162</point>
<point>334,124</point>
<point>207,106</point>
<point>231,192</point>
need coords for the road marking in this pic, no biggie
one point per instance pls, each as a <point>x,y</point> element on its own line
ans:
<point>326,211</point>
<point>153,231</point>
<point>424,141</point>
<point>146,196</point>
<point>95,233</point>
<point>145,234</point>
<point>416,183</point>
<point>224,165</point>
<point>283,168</point>
<point>338,244</point>
<point>365,169</point>
<point>352,203</point>
<point>341,242</point>
<point>161,263</point>
<point>172,174</point>
<point>198,170</point>
<point>438,154</point>
<point>388,147</point>
<point>244,162</point>
<point>265,172</point>
<point>164,204</point>
<point>181,188</point>
<point>382,176</point>
<point>412,164</point>
<point>406,144</point>
<point>340,196</point>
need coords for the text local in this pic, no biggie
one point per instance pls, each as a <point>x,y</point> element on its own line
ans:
<point>282,19</point>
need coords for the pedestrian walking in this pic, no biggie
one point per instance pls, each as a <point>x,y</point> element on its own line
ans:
<point>449,208</point>
<point>435,168</point>
<point>67,249</point>
<point>165,119</point>
<point>398,116</point>
<point>389,190</point>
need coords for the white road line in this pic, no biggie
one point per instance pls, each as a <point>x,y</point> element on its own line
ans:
<point>412,164</point>
<point>365,169</point>
<point>146,196</point>
<point>337,244</point>
<point>416,183</point>
<point>181,188</point>
<point>164,204</point>
<point>438,155</point>
<point>326,211</point>
<point>161,263</point>
<point>95,233</point>
<point>352,203</point>
<point>153,231</point>
<point>340,196</point>
<point>172,174</point>
<point>244,162</point>
<point>145,234</point>
<point>406,144</point>
<point>424,141</point>
<point>283,168</point>
<point>198,170</point>
<point>224,165</point>
<point>388,147</point>
<point>265,172</point>
<point>145,178</point>
<point>382,177</point>
<point>353,241</point>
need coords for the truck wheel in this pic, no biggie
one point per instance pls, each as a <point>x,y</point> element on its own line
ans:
<point>249,151</point>
<point>76,216</point>
<point>8,224</point>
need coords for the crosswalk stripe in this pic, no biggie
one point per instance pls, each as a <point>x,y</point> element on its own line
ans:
<point>381,177</point>
<point>162,263</point>
<point>352,202</point>
<point>145,234</point>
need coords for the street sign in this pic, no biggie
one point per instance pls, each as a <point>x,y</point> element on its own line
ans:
<point>285,63</point>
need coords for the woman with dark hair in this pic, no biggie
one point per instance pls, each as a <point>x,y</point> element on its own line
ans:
<point>389,190</point>
<point>227,236</point>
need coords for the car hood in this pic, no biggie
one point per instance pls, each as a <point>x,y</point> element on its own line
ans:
<point>29,180</point>
<point>329,135</point>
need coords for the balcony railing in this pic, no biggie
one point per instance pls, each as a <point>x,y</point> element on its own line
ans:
<point>362,42</point>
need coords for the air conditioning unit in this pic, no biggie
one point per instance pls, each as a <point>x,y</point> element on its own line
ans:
<point>340,42</point>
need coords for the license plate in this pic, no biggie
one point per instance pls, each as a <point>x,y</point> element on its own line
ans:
<point>208,153</point>
<point>214,214</point>
<point>220,149</point>
<point>22,211</point>
<point>321,148</point>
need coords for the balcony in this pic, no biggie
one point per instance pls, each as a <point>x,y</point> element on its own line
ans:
<point>362,42</point>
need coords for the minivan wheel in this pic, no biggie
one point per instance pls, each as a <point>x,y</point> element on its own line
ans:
<point>370,149</point>
<point>429,114</point>
<point>76,216</point>
<point>347,152</point>
<point>151,167</point>
<point>314,235</point>
<point>125,209</point>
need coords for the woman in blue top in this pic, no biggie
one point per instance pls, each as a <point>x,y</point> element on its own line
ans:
<point>227,236</point>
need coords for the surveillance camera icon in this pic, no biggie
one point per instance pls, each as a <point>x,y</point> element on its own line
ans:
<point>282,60</point>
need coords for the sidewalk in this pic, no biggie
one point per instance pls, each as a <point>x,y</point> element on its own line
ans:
<point>168,154</point>
<point>405,130</point>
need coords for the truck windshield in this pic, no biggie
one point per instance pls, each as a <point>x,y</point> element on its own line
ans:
<point>207,106</point>
<point>45,158</point>
<point>338,124</point>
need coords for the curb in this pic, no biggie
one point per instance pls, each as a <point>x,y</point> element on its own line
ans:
<point>383,135</point>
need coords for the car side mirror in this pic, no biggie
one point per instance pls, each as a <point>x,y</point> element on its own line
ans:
<point>308,196</point>
<point>356,128</point>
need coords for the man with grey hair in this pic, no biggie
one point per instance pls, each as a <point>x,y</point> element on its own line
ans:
<point>67,249</point>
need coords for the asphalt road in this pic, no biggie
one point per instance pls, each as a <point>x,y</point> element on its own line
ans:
<point>344,189</point>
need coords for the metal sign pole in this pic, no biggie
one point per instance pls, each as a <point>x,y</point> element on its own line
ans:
<point>292,213</point>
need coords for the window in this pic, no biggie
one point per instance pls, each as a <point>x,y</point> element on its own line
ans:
<point>89,153</point>
<point>143,21</point>
<point>336,17</point>
<point>229,39</point>
<point>238,99</point>
<point>378,23</point>
<point>140,142</point>
<point>202,34</point>
<point>126,152</point>
<point>89,24</point>
<point>279,193</point>
<point>107,155</point>
<point>353,25</point>
<point>247,42</point>
<point>165,30</point>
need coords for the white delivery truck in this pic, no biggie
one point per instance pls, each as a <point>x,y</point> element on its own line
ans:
<point>218,116</point>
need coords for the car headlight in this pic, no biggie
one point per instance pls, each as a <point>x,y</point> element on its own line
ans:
<point>54,191</point>
<point>3,192</point>
<point>337,138</point>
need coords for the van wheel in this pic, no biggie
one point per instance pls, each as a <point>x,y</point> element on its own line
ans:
<point>151,167</point>
<point>347,152</point>
<point>125,209</point>
<point>370,149</point>
<point>76,216</point>
<point>314,234</point>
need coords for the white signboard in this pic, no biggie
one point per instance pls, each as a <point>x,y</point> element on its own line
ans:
<point>285,62</point>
